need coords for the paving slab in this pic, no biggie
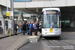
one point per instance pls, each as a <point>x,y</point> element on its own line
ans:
<point>13,42</point>
<point>20,41</point>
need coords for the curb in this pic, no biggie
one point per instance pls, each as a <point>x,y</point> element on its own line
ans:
<point>25,43</point>
<point>4,36</point>
<point>22,44</point>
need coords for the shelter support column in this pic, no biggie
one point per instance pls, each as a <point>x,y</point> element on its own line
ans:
<point>20,16</point>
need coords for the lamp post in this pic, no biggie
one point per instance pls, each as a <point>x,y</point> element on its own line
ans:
<point>12,15</point>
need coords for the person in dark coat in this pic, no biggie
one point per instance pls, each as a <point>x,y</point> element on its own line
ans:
<point>1,29</point>
<point>27,29</point>
<point>24,28</point>
<point>16,27</point>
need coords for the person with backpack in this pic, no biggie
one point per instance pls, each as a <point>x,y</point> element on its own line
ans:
<point>31,28</point>
<point>16,27</point>
<point>27,27</point>
<point>24,28</point>
<point>21,25</point>
<point>36,27</point>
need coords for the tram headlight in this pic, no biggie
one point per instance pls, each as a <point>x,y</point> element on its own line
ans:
<point>56,29</point>
<point>44,29</point>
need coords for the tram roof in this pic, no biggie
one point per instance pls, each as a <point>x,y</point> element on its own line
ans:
<point>44,9</point>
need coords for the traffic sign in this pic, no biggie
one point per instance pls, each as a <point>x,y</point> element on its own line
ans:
<point>7,13</point>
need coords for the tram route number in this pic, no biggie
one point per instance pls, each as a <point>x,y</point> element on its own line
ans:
<point>51,29</point>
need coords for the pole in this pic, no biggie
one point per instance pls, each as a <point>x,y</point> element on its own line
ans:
<point>9,25</point>
<point>12,16</point>
<point>7,5</point>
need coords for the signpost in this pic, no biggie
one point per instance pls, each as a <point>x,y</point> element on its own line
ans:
<point>8,13</point>
<point>9,26</point>
<point>9,22</point>
<point>12,16</point>
<point>11,19</point>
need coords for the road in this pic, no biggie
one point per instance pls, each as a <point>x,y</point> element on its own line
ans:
<point>66,42</point>
<point>68,36</point>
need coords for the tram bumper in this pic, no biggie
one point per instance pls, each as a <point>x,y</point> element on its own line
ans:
<point>51,34</point>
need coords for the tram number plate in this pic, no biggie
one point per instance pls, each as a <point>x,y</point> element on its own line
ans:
<point>51,29</point>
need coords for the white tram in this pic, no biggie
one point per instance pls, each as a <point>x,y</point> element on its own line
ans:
<point>51,22</point>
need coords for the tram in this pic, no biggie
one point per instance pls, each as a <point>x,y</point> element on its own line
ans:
<point>51,22</point>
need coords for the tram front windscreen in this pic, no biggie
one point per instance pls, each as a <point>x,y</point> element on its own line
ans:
<point>50,19</point>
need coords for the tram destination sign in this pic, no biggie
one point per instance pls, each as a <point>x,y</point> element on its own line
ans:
<point>49,12</point>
